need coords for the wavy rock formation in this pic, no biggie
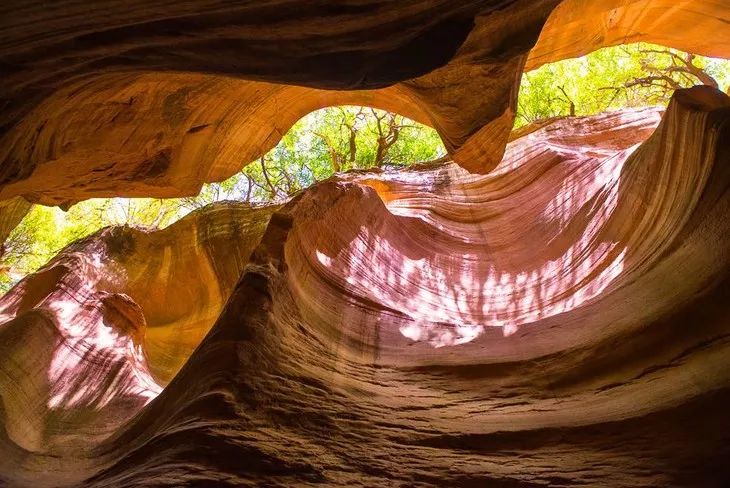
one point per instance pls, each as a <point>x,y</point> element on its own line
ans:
<point>578,27</point>
<point>92,337</point>
<point>140,100</point>
<point>550,308</point>
<point>560,321</point>
<point>12,212</point>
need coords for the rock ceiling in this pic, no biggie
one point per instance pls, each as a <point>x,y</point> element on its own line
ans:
<point>544,310</point>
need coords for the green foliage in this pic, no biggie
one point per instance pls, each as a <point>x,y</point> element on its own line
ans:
<point>41,234</point>
<point>303,157</point>
<point>339,139</point>
<point>623,76</point>
<point>46,230</point>
<point>328,141</point>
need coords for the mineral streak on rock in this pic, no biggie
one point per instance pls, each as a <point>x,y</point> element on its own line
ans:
<point>560,319</point>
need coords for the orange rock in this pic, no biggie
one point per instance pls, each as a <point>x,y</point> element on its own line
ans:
<point>559,320</point>
<point>141,111</point>
<point>565,310</point>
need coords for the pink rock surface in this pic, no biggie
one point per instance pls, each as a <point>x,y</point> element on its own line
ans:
<point>550,308</point>
<point>559,321</point>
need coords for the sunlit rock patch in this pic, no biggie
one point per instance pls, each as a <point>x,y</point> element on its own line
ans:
<point>368,282</point>
<point>542,308</point>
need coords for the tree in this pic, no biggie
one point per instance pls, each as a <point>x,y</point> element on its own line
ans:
<point>41,235</point>
<point>663,72</point>
<point>325,142</point>
<point>632,75</point>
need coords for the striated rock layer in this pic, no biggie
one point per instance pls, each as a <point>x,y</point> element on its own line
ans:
<point>153,100</point>
<point>561,321</point>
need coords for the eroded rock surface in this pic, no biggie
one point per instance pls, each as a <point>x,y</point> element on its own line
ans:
<point>141,100</point>
<point>556,317</point>
<point>560,321</point>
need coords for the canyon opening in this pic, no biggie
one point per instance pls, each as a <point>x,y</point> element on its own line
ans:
<point>363,243</point>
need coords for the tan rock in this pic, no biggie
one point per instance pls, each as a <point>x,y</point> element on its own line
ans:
<point>558,319</point>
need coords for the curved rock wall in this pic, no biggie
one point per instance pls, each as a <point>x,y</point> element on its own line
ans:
<point>577,27</point>
<point>628,388</point>
<point>142,101</point>
<point>12,212</point>
<point>560,321</point>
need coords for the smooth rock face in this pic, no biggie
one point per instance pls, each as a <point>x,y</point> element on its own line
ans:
<point>141,100</point>
<point>12,212</point>
<point>561,320</point>
<point>578,27</point>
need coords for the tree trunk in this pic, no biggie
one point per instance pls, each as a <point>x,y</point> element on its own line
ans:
<point>272,188</point>
<point>334,156</point>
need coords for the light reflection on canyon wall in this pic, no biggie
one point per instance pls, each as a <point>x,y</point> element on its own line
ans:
<point>534,247</point>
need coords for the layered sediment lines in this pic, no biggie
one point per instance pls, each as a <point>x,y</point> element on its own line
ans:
<point>560,321</point>
<point>135,100</point>
<point>95,335</point>
<point>578,27</point>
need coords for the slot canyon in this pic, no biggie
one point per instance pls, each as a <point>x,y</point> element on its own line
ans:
<point>546,306</point>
